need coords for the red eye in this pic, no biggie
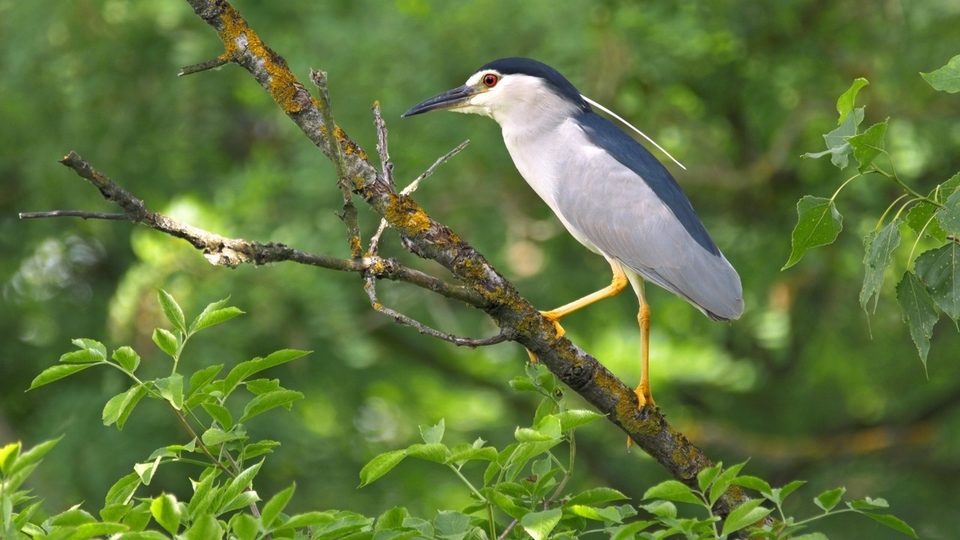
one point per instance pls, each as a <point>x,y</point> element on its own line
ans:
<point>490,80</point>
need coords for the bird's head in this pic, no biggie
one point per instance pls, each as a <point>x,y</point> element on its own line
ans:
<point>511,90</point>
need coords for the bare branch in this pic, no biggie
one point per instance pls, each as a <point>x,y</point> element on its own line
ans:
<point>371,287</point>
<point>73,213</point>
<point>213,63</point>
<point>386,166</point>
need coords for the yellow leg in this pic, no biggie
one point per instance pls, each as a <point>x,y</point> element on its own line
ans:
<point>617,284</point>
<point>644,397</point>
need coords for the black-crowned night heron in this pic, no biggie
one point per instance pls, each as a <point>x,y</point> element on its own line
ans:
<point>610,193</point>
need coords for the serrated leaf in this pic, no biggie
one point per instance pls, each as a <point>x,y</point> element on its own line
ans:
<point>818,224</point>
<point>878,251</point>
<point>610,515</point>
<point>723,481</point>
<point>8,456</point>
<point>259,448</point>
<point>275,505</point>
<point>166,513</point>
<point>487,453</point>
<point>85,343</point>
<point>672,490</point>
<point>308,519</point>
<point>790,488</point>
<point>949,216</point>
<point>380,465</point>
<point>921,218</point>
<point>243,370</point>
<point>869,144</point>
<point>238,486</point>
<point>200,378</point>
<point>127,358</point>
<point>661,509</point>
<point>31,456</point>
<point>947,78</point>
<point>894,523</point>
<point>919,312</point>
<point>828,499</point>
<point>56,373</point>
<point>523,384</point>
<point>939,270</point>
<point>539,524</point>
<point>167,342</point>
<point>838,148</point>
<point>72,518</point>
<point>846,101</point>
<point>744,515</point>
<point>451,524</point>
<point>270,400</point>
<point>97,530</point>
<point>172,311</point>
<point>146,470</point>
<point>432,434</point>
<point>868,503</point>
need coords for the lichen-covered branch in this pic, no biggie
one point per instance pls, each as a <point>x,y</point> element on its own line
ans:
<point>487,289</point>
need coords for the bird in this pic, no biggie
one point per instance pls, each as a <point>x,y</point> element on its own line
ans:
<point>609,192</point>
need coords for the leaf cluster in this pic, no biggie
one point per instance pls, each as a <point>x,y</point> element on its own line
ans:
<point>932,286</point>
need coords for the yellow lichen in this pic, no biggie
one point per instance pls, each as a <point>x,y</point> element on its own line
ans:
<point>406,216</point>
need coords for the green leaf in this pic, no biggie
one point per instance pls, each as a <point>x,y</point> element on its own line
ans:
<point>752,482</point>
<point>213,314</point>
<point>219,413</point>
<point>146,470</point>
<point>83,356</point>
<point>97,530</point>
<point>171,389</point>
<point>243,370</point>
<point>206,527</point>
<point>436,452</point>
<point>818,224</point>
<point>707,476</point>
<point>894,523</point>
<point>939,270</point>
<point>127,358</point>
<point>270,400</point>
<point>200,378</point>
<point>166,513</point>
<point>487,453</point>
<point>539,524</point>
<point>949,216</point>
<point>575,418</point>
<point>432,434</point>
<point>56,373</point>
<point>837,146</point>
<point>8,457</point>
<point>167,342</point>
<point>259,448</point>
<point>828,499</point>
<point>380,465</point>
<point>308,519</point>
<point>172,311</point>
<point>868,503</point>
<point>122,490</point>
<point>244,526</point>
<point>947,78</point>
<point>919,312</point>
<point>275,505</point>
<point>98,348</point>
<point>878,250</point>
<point>237,486</point>
<point>215,436</point>
<point>597,496</point>
<point>118,409</point>
<point>846,101</point>
<point>451,524</point>
<point>723,481</point>
<point>391,519</point>
<point>661,509</point>
<point>869,144</point>
<point>31,456</point>
<point>672,490</point>
<point>610,515</point>
<point>115,512</point>
<point>72,518</point>
<point>921,219</point>
<point>744,515</point>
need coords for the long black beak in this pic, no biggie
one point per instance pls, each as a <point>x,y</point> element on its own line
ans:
<point>450,99</point>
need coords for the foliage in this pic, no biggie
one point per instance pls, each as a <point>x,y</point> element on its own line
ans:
<point>933,286</point>
<point>522,489</point>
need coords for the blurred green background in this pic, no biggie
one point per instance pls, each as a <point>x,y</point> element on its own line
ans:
<point>805,385</point>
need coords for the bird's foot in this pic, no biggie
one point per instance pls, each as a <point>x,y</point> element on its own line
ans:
<point>644,398</point>
<point>553,317</point>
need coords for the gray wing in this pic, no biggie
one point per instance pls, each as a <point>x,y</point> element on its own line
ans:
<point>632,216</point>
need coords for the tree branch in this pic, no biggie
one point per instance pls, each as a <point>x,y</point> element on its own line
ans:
<point>485,288</point>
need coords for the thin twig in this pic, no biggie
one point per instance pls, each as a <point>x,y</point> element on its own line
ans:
<point>375,240</point>
<point>73,213</point>
<point>213,63</point>
<point>349,216</point>
<point>371,287</point>
<point>385,165</point>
